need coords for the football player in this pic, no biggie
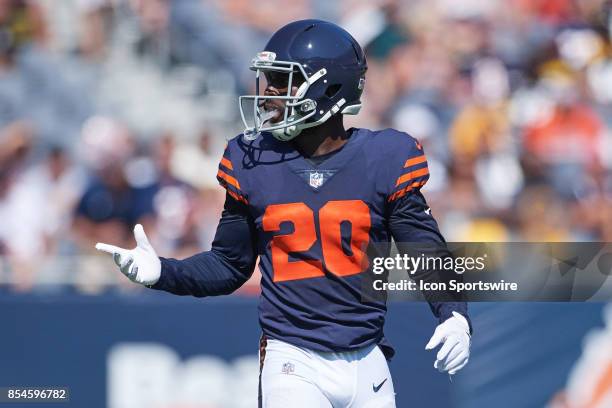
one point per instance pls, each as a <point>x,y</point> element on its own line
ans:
<point>307,197</point>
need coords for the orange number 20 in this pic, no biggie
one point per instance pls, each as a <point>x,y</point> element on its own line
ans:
<point>304,236</point>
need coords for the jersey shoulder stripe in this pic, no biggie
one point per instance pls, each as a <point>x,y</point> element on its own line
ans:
<point>415,160</point>
<point>406,162</point>
<point>227,163</point>
<point>228,178</point>
<point>412,175</point>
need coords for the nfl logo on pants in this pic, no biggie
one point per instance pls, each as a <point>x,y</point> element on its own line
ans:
<point>288,368</point>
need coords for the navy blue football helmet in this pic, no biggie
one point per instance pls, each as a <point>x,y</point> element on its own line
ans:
<point>326,64</point>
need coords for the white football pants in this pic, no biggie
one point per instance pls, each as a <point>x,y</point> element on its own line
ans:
<point>295,377</point>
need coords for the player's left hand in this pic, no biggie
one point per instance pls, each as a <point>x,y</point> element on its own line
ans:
<point>454,335</point>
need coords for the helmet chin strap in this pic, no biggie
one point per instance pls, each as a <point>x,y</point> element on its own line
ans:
<point>290,132</point>
<point>286,134</point>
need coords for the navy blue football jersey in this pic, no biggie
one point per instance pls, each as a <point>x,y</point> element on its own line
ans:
<point>313,223</point>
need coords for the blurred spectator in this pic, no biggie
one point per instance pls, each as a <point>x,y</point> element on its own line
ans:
<point>21,238</point>
<point>153,21</point>
<point>15,142</point>
<point>21,22</point>
<point>572,132</point>
<point>109,206</point>
<point>175,228</point>
<point>58,183</point>
<point>95,25</point>
<point>482,127</point>
<point>590,381</point>
<point>541,216</point>
<point>196,162</point>
<point>566,144</point>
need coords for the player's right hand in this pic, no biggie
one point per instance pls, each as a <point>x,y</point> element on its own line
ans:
<point>141,264</point>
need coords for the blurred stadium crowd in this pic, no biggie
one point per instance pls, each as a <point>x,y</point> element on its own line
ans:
<point>114,112</point>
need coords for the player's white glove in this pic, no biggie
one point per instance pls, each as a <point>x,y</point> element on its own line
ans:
<point>141,264</point>
<point>454,333</point>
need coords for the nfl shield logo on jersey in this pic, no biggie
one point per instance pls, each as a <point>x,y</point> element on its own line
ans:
<point>316,179</point>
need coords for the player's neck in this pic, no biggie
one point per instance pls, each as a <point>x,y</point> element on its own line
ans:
<point>323,139</point>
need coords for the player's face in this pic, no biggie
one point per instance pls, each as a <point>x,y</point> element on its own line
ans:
<point>277,84</point>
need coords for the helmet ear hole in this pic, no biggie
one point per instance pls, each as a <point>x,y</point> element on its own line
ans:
<point>332,90</point>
